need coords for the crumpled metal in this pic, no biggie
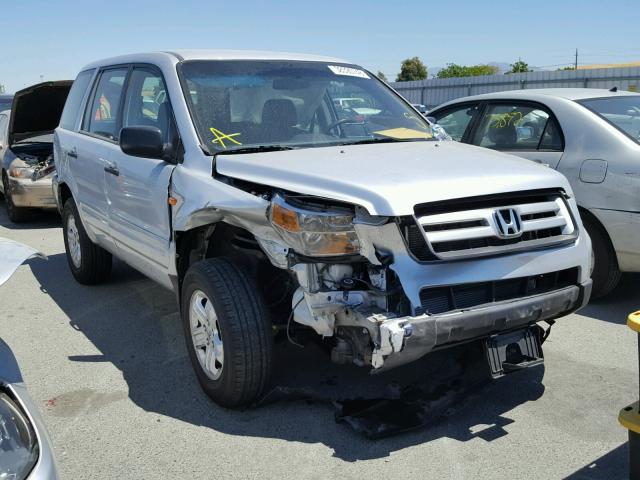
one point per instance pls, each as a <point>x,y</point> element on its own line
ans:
<point>12,255</point>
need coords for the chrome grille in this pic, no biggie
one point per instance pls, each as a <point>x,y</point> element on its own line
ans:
<point>494,227</point>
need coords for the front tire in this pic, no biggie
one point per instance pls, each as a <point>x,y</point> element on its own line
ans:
<point>605,274</point>
<point>15,214</point>
<point>228,332</point>
<point>89,263</point>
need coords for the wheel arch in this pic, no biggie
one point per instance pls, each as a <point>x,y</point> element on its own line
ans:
<point>215,239</point>
<point>64,194</point>
<point>585,213</point>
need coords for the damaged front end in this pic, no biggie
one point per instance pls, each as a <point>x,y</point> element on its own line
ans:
<point>385,290</point>
<point>358,283</point>
<point>341,293</point>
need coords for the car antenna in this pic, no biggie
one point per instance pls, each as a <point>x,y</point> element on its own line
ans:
<point>613,89</point>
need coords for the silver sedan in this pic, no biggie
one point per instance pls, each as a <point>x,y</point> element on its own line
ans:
<point>591,136</point>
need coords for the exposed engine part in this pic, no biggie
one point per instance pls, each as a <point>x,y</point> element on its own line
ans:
<point>348,283</point>
<point>308,277</point>
<point>353,345</point>
<point>319,310</point>
<point>378,277</point>
<point>342,353</point>
<point>332,275</point>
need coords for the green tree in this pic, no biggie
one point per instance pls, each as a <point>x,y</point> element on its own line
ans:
<point>382,76</point>
<point>453,70</point>
<point>570,67</point>
<point>519,67</point>
<point>412,69</point>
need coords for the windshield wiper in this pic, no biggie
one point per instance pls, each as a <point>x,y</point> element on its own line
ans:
<point>383,140</point>
<point>257,149</point>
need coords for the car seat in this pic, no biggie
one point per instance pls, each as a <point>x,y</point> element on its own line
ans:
<point>279,117</point>
<point>503,137</point>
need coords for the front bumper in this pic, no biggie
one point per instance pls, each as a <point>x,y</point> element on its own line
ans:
<point>424,333</point>
<point>32,194</point>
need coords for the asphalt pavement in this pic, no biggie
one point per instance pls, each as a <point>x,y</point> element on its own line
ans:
<point>109,368</point>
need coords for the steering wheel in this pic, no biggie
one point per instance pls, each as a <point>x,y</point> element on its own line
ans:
<point>344,120</point>
<point>340,122</point>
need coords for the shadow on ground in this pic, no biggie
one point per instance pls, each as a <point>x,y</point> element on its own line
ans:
<point>35,219</point>
<point>616,306</point>
<point>135,325</point>
<point>612,465</point>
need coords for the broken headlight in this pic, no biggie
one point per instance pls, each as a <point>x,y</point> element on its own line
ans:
<point>314,233</point>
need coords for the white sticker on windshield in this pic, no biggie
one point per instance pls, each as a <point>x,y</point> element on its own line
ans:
<point>348,71</point>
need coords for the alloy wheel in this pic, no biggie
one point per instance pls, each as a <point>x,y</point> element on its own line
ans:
<point>206,335</point>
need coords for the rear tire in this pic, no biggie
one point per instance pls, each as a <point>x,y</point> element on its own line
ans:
<point>228,332</point>
<point>15,214</point>
<point>89,263</point>
<point>605,274</point>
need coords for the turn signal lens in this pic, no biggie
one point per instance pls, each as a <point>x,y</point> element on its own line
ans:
<point>285,218</point>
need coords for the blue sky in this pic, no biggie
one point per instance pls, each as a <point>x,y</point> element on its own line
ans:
<point>56,38</point>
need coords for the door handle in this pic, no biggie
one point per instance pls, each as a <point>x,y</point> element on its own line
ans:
<point>112,168</point>
<point>73,153</point>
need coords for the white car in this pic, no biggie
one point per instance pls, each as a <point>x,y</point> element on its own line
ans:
<point>265,210</point>
<point>592,136</point>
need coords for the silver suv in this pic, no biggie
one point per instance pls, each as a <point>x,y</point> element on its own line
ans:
<point>236,180</point>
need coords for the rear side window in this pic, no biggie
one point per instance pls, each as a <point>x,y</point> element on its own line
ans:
<point>623,112</point>
<point>73,105</point>
<point>518,127</point>
<point>101,117</point>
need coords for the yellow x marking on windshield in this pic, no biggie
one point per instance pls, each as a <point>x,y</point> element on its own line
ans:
<point>221,137</point>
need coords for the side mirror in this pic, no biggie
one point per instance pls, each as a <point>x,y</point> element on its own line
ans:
<point>142,141</point>
<point>432,120</point>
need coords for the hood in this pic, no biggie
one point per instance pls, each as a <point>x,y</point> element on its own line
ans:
<point>36,110</point>
<point>389,179</point>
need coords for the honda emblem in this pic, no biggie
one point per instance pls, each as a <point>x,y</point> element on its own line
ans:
<point>508,223</point>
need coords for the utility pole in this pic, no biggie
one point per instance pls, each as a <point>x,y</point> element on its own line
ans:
<point>576,64</point>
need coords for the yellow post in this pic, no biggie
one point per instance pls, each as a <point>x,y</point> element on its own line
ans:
<point>629,416</point>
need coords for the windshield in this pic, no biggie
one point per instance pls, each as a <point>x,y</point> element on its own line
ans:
<point>245,105</point>
<point>623,112</point>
